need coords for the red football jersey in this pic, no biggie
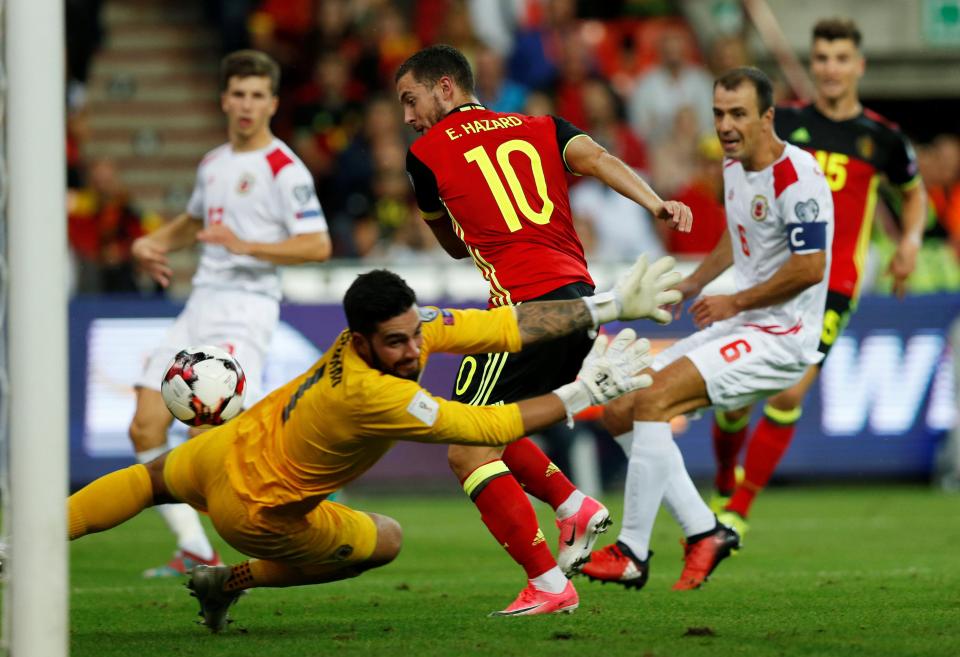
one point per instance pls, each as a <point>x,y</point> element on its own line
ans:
<point>502,180</point>
<point>853,154</point>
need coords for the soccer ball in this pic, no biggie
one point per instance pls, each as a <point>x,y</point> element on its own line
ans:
<point>203,386</point>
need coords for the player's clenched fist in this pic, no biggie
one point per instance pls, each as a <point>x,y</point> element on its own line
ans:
<point>677,214</point>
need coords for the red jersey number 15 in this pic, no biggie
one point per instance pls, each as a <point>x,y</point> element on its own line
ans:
<point>516,198</point>
<point>834,167</point>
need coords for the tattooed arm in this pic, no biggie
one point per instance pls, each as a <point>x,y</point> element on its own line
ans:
<point>639,293</point>
<point>547,320</point>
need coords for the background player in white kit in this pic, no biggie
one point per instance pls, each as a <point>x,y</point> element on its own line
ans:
<point>254,207</point>
<point>752,344</point>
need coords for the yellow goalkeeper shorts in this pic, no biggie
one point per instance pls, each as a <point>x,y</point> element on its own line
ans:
<point>328,533</point>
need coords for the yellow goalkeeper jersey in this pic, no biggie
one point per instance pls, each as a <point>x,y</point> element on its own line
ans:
<point>328,426</point>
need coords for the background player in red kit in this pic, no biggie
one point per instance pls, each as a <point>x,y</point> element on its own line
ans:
<point>493,188</point>
<point>855,147</point>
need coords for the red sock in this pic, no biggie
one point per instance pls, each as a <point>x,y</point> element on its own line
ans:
<point>536,473</point>
<point>728,438</point>
<point>767,446</point>
<point>507,513</point>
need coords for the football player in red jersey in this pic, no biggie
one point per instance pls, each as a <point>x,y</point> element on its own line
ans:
<point>493,188</point>
<point>855,147</point>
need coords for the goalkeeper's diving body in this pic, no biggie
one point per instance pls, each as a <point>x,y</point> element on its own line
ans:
<point>264,477</point>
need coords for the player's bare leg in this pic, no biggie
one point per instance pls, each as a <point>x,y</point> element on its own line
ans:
<point>769,442</point>
<point>508,514</point>
<point>148,432</point>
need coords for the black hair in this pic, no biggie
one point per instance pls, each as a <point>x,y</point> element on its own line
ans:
<point>375,297</point>
<point>249,63</point>
<point>431,64</point>
<point>832,29</point>
<point>761,84</point>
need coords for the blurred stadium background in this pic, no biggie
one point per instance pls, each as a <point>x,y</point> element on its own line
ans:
<point>142,111</point>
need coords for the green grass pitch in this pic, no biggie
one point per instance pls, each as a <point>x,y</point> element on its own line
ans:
<point>863,571</point>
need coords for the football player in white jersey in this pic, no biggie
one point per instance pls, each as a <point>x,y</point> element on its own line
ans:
<point>751,344</point>
<point>254,207</point>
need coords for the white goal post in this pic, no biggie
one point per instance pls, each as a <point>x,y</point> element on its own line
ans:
<point>36,591</point>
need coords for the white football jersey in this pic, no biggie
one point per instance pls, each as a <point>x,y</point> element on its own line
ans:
<point>265,195</point>
<point>782,209</point>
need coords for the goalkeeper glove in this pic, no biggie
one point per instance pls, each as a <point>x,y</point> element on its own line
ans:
<point>638,293</point>
<point>610,370</point>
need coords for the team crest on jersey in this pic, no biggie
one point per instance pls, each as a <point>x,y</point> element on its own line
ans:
<point>758,207</point>
<point>865,147</point>
<point>245,184</point>
<point>807,210</point>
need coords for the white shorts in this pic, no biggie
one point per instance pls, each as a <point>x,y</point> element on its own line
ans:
<point>241,322</point>
<point>740,365</point>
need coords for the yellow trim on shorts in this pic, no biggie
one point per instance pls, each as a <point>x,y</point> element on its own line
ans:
<point>430,216</point>
<point>492,370</point>
<point>477,479</point>
<point>783,417</point>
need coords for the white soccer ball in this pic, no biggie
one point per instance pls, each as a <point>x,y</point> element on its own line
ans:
<point>203,386</point>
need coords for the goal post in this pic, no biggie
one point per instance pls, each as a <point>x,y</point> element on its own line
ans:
<point>36,591</point>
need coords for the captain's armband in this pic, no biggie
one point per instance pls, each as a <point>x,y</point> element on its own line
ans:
<point>807,237</point>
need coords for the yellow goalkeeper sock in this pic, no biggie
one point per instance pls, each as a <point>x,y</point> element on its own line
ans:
<point>109,501</point>
<point>274,574</point>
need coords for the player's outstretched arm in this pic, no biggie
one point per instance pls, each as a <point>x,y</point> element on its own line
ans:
<point>611,369</point>
<point>150,251</point>
<point>585,156</point>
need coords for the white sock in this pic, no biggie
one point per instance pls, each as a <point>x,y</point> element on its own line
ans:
<point>552,581</point>
<point>150,454</point>
<point>684,502</point>
<point>182,520</point>
<point>570,505</point>
<point>652,457</point>
<point>625,440</point>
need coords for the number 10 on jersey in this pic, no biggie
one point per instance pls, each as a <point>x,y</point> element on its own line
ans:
<point>500,194</point>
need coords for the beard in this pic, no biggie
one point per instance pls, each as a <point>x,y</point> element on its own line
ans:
<point>392,371</point>
<point>436,113</point>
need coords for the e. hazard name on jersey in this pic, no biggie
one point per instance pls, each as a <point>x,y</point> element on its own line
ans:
<point>482,125</point>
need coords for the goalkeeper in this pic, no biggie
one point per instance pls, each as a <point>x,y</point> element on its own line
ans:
<point>263,477</point>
